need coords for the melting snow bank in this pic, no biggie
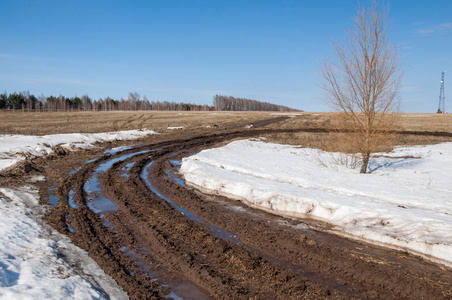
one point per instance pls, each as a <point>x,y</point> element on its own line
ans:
<point>405,203</point>
<point>14,148</point>
<point>36,262</point>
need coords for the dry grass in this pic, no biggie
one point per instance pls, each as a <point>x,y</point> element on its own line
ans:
<point>409,122</point>
<point>90,122</point>
<point>335,142</point>
<point>427,122</point>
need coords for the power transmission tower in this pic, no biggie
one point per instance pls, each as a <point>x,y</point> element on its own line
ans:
<point>442,102</point>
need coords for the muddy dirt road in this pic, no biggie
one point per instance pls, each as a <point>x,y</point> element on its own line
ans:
<point>157,238</point>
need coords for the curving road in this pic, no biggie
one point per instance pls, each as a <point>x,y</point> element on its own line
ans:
<point>157,238</point>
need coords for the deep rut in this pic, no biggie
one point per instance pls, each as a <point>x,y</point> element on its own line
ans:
<point>158,238</point>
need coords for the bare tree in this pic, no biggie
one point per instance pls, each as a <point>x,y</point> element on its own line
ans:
<point>363,82</point>
<point>243,104</point>
<point>86,102</point>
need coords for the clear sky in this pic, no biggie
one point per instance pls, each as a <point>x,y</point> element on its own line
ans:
<point>188,51</point>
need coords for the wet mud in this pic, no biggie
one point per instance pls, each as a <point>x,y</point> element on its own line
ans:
<point>131,211</point>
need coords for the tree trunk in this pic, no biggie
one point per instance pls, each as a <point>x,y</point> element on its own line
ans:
<point>365,163</point>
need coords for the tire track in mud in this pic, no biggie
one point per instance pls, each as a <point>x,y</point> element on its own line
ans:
<point>172,241</point>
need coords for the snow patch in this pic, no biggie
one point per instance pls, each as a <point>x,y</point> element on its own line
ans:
<point>15,148</point>
<point>290,115</point>
<point>406,202</point>
<point>35,263</point>
<point>176,127</point>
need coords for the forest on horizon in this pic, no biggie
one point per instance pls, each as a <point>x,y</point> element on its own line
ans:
<point>26,102</point>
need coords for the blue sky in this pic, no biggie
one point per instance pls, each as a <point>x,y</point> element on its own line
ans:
<point>189,51</point>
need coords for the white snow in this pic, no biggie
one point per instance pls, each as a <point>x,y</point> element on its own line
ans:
<point>290,115</point>
<point>405,203</point>
<point>175,127</point>
<point>38,263</point>
<point>15,148</point>
<point>222,114</point>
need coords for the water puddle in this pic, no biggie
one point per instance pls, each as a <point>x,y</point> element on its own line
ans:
<point>128,166</point>
<point>97,201</point>
<point>75,170</point>
<point>67,224</point>
<point>175,163</point>
<point>71,199</point>
<point>102,204</point>
<point>173,296</point>
<point>175,179</point>
<point>52,200</point>
<point>139,262</point>
<point>126,169</point>
<point>224,235</point>
<point>53,187</point>
<point>107,165</point>
<point>216,231</point>
<point>180,289</point>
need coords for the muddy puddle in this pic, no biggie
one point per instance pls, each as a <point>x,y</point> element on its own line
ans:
<point>175,163</point>
<point>97,201</point>
<point>52,199</point>
<point>69,227</point>
<point>178,288</point>
<point>175,179</point>
<point>126,169</point>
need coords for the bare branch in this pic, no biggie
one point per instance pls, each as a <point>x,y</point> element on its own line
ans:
<point>364,81</point>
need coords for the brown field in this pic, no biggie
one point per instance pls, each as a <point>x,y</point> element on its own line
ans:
<point>330,141</point>
<point>91,122</point>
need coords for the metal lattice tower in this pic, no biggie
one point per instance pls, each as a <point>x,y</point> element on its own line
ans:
<point>442,102</point>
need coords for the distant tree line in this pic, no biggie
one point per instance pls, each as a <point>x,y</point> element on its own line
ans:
<point>25,101</point>
<point>243,104</point>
